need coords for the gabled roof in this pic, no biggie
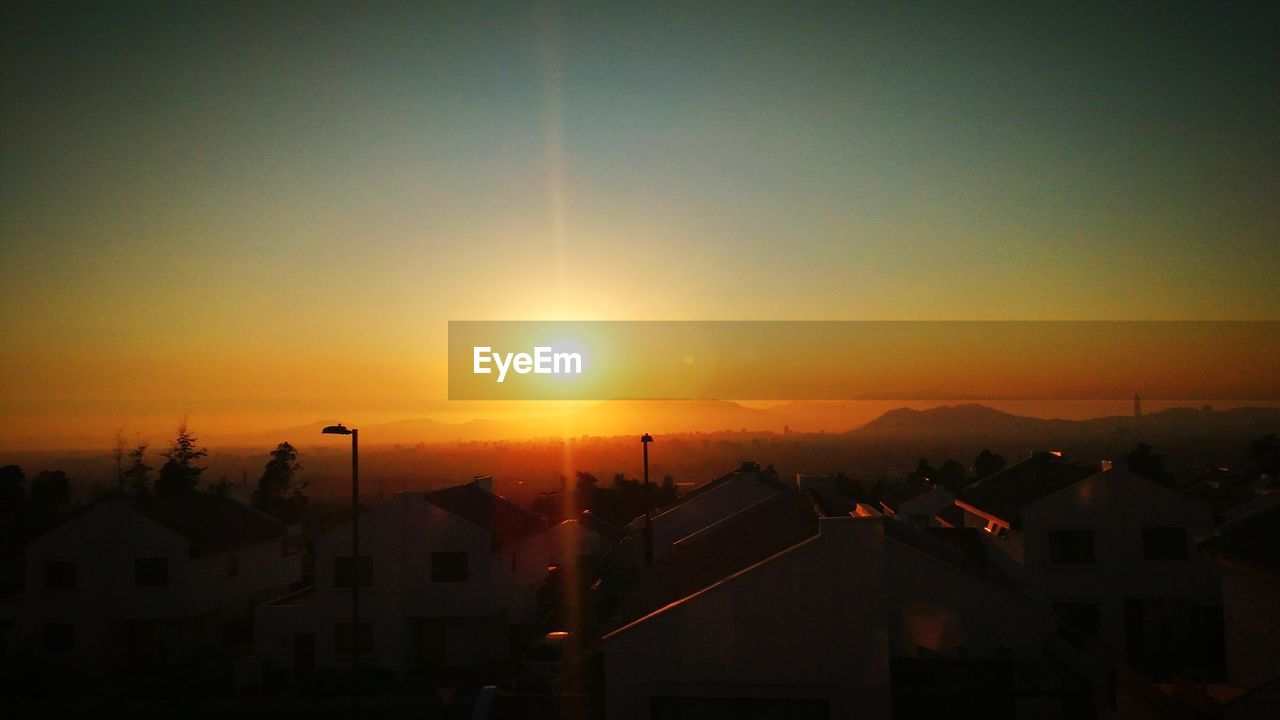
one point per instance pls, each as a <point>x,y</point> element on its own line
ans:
<point>601,527</point>
<point>1000,496</point>
<point>747,469</point>
<point>767,529</point>
<point>506,521</point>
<point>1253,541</point>
<point>755,534</point>
<point>951,516</point>
<point>211,522</point>
<point>912,490</point>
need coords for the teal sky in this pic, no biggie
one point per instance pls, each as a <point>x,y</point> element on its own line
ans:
<point>220,194</point>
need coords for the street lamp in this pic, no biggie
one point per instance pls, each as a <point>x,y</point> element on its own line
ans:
<point>339,429</point>
<point>648,503</point>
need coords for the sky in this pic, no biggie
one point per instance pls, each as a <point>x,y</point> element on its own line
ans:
<point>268,212</point>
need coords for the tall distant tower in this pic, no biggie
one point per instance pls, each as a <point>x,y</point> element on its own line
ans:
<point>1137,406</point>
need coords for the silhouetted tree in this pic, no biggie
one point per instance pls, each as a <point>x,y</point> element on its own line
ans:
<point>13,503</point>
<point>137,476</point>
<point>1265,452</point>
<point>13,487</point>
<point>923,470</point>
<point>951,475</point>
<point>50,495</point>
<point>1144,461</point>
<point>987,463</point>
<point>277,494</point>
<point>179,475</point>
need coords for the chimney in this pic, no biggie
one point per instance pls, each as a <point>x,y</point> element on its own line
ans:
<point>484,482</point>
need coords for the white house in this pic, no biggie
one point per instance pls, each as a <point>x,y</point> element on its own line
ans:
<point>1248,551</point>
<point>149,584</point>
<point>1113,554</point>
<point>442,577</point>
<point>785,610</point>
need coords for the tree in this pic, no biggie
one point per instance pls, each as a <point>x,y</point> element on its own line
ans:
<point>50,495</point>
<point>923,471</point>
<point>13,502</point>
<point>179,475</point>
<point>1145,462</point>
<point>277,494</point>
<point>951,475</point>
<point>1265,452</point>
<point>13,487</point>
<point>138,475</point>
<point>987,463</point>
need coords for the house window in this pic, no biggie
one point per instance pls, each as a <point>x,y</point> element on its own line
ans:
<point>59,637</point>
<point>1164,543</point>
<point>1071,547</point>
<point>449,567</point>
<point>349,571</point>
<point>59,575</point>
<point>151,572</point>
<point>343,638</point>
<point>233,566</point>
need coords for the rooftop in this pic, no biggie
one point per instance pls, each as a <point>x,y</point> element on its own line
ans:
<point>211,522</point>
<point>1252,541</point>
<point>1000,496</point>
<point>748,468</point>
<point>505,520</point>
<point>894,499</point>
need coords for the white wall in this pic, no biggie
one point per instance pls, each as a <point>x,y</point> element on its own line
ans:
<point>104,543</point>
<point>1116,505</point>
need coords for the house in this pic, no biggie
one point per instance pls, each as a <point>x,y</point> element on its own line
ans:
<point>1248,552</point>
<point>792,609</point>
<point>918,502</point>
<point>442,577</point>
<point>582,540</point>
<point>149,584</point>
<point>1112,553</point>
<point>706,504</point>
<point>1230,494</point>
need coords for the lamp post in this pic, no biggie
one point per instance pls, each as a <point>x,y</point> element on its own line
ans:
<point>339,429</point>
<point>648,503</point>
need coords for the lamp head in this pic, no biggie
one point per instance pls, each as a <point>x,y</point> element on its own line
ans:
<point>647,438</point>
<point>338,429</point>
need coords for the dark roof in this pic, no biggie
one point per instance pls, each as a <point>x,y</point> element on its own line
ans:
<point>211,522</point>
<point>755,534</point>
<point>1253,540</point>
<point>505,520</point>
<point>748,468</point>
<point>1003,494</point>
<point>770,527</point>
<point>910,491</point>
<point>602,527</point>
<point>950,516</point>
<point>1220,497</point>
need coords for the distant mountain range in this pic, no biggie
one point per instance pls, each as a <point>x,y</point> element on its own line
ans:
<point>972,422</point>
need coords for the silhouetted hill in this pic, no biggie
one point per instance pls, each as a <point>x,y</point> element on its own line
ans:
<point>957,421</point>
